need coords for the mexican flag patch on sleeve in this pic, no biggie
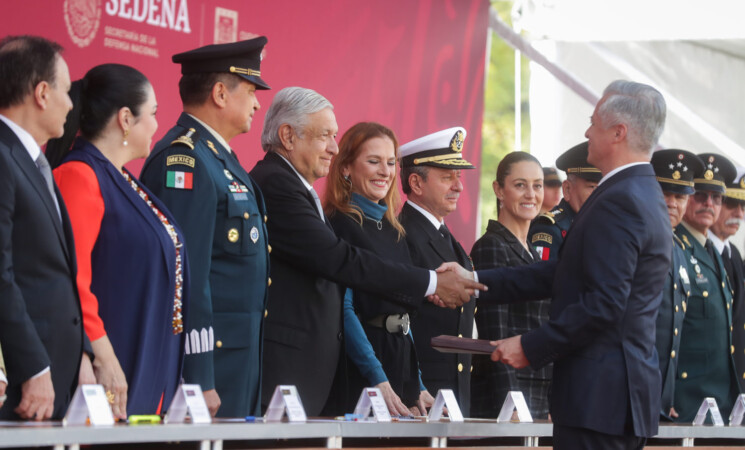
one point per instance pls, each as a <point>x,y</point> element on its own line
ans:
<point>179,180</point>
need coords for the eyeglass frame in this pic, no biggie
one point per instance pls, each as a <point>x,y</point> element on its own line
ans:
<point>716,197</point>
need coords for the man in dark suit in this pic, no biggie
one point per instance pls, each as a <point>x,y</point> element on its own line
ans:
<point>675,171</point>
<point>706,367</point>
<point>548,230</point>
<point>310,265</point>
<point>221,211</point>
<point>430,177</point>
<point>605,287</point>
<point>41,330</point>
<point>729,221</point>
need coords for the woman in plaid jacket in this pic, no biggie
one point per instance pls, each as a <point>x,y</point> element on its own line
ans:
<point>519,191</point>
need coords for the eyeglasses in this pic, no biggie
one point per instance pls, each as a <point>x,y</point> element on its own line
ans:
<point>701,197</point>
<point>733,203</point>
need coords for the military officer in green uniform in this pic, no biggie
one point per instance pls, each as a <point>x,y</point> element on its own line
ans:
<point>221,212</point>
<point>706,365</point>
<point>675,171</point>
<point>548,229</point>
<point>728,223</point>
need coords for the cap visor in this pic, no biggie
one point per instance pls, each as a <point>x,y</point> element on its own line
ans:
<point>260,84</point>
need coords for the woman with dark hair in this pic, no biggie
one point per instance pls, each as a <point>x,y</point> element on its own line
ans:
<point>132,273</point>
<point>361,202</point>
<point>519,191</point>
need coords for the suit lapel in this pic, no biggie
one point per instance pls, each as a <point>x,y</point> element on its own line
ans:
<point>275,159</point>
<point>440,244</point>
<point>28,167</point>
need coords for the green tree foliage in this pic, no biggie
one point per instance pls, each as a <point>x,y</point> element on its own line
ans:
<point>498,131</point>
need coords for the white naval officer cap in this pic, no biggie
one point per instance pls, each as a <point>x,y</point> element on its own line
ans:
<point>440,149</point>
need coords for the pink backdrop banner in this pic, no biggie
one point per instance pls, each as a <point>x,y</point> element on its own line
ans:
<point>415,66</point>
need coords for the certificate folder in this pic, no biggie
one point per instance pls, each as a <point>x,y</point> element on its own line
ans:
<point>454,344</point>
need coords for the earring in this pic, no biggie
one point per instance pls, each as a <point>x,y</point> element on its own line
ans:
<point>126,133</point>
<point>348,179</point>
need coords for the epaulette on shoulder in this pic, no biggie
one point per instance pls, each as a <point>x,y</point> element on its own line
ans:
<point>187,138</point>
<point>548,216</point>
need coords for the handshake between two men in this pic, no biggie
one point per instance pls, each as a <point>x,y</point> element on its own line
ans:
<point>455,286</point>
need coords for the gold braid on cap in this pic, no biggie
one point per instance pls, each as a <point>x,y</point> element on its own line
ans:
<point>737,194</point>
<point>250,72</point>
<point>671,181</point>
<point>705,181</point>
<point>449,156</point>
<point>582,170</point>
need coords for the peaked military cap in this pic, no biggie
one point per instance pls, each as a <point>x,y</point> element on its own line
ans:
<point>241,58</point>
<point>736,189</point>
<point>442,149</point>
<point>718,172</point>
<point>574,162</point>
<point>551,177</point>
<point>676,169</point>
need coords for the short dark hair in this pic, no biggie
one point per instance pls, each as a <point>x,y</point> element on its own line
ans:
<point>96,98</point>
<point>25,61</point>
<point>422,171</point>
<point>195,88</point>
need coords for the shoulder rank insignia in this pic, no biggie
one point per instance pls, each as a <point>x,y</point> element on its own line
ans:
<point>187,138</point>
<point>212,147</point>
<point>548,216</point>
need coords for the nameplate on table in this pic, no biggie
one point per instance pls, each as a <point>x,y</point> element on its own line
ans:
<point>188,400</point>
<point>89,402</point>
<point>709,405</point>
<point>445,399</point>
<point>372,399</point>
<point>738,411</point>
<point>285,400</point>
<point>514,401</point>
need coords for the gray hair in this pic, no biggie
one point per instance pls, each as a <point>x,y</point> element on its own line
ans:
<point>422,171</point>
<point>290,106</point>
<point>640,107</point>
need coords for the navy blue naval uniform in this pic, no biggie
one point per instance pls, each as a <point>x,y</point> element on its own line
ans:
<point>670,323</point>
<point>547,231</point>
<point>221,212</point>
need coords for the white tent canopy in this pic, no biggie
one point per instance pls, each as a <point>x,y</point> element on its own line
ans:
<point>692,51</point>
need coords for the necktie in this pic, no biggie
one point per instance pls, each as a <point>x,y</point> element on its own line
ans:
<point>727,260</point>
<point>712,254</point>
<point>446,234</point>
<point>318,203</point>
<point>46,172</point>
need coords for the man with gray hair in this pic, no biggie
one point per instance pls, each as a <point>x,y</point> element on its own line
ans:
<point>606,287</point>
<point>730,219</point>
<point>310,265</point>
